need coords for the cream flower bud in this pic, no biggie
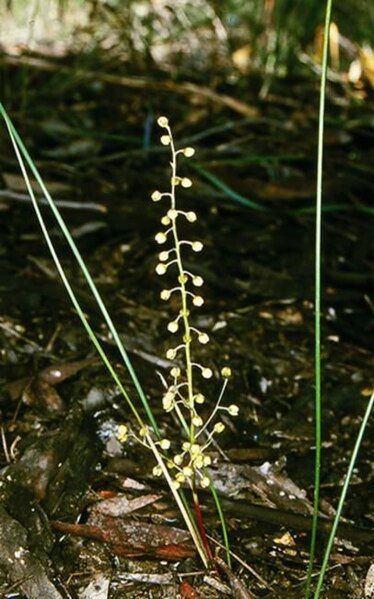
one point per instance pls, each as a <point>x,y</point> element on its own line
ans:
<point>191,216</point>
<point>165,294</point>
<point>160,238</point>
<point>187,471</point>
<point>197,421</point>
<point>165,221</point>
<point>207,460</point>
<point>180,478</point>
<point>178,459</point>
<point>198,461</point>
<point>157,471</point>
<point>203,338</point>
<point>173,326</point>
<point>122,433</point>
<point>195,449</point>
<point>160,269</point>
<point>172,213</point>
<point>176,485</point>
<point>168,402</point>
<point>197,246</point>
<point>175,180</point>
<point>188,152</point>
<point>226,372</point>
<point>186,446</point>
<point>170,354</point>
<point>143,431</point>
<point>205,482</point>
<point>165,140</point>
<point>207,373</point>
<point>219,427</point>
<point>199,398</point>
<point>198,300</point>
<point>162,121</point>
<point>163,256</point>
<point>198,281</point>
<point>156,196</point>
<point>175,372</point>
<point>165,444</point>
<point>186,182</point>
<point>233,410</point>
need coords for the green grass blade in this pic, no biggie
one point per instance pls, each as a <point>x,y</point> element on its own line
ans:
<point>317,300</point>
<point>227,190</point>
<point>343,496</point>
<point>65,281</point>
<point>221,515</point>
<point>22,149</point>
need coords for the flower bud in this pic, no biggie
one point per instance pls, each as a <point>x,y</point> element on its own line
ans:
<point>160,269</point>
<point>198,281</point>
<point>173,327</point>
<point>197,421</point>
<point>191,216</point>
<point>203,338</point>
<point>163,256</point>
<point>178,459</point>
<point>165,444</point>
<point>162,121</point>
<point>165,294</point>
<point>207,373</point>
<point>175,372</point>
<point>156,196</point>
<point>188,152</point>
<point>180,478</point>
<point>160,238</point>
<point>186,182</point>
<point>198,300</point>
<point>122,433</point>
<point>165,140</point>
<point>187,471</point>
<point>199,398</point>
<point>197,246</point>
<point>157,471</point>
<point>172,213</point>
<point>170,354</point>
<point>205,482</point>
<point>207,460</point>
<point>165,221</point>
<point>233,410</point>
<point>186,446</point>
<point>219,427</point>
<point>226,372</point>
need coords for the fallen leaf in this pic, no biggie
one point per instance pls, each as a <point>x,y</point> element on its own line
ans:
<point>121,505</point>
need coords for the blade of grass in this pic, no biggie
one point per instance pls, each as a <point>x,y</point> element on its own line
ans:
<point>227,190</point>
<point>317,299</point>
<point>185,513</point>
<point>82,266</point>
<point>343,495</point>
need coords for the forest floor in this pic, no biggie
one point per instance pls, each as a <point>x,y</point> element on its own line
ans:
<point>95,140</point>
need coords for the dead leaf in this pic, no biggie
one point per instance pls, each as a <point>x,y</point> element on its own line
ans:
<point>133,539</point>
<point>237,587</point>
<point>121,505</point>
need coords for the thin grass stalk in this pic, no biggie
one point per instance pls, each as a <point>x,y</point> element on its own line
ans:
<point>317,299</point>
<point>185,513</point>
<point>86,274</point>
<point>343,494</point>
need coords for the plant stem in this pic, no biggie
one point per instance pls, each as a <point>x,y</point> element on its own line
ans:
<point>343,496</point>
<point>317,300</point>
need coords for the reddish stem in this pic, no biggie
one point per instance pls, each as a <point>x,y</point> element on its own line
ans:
<point>201,527</point>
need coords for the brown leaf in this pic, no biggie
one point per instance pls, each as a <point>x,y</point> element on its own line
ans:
<point>56,373</point>
<point>135,539</point>
<point>187,591</point>
<point>238,589</point>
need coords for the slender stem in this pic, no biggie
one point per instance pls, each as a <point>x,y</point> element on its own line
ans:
<point>200,524</point>
<point>343,496</point>
<point>317,300</point>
